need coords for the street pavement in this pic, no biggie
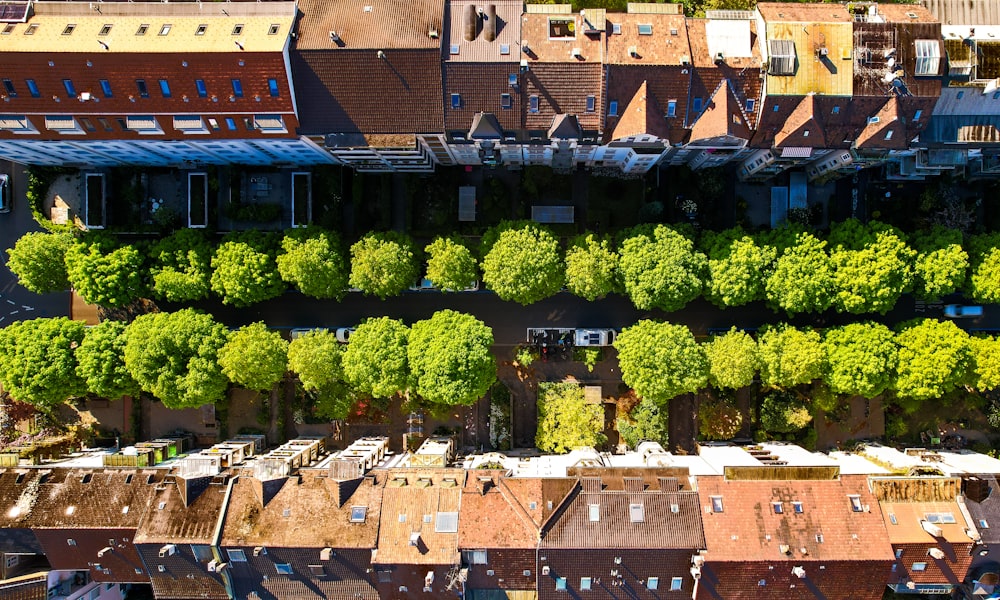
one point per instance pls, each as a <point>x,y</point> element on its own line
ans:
<point>17,303</point>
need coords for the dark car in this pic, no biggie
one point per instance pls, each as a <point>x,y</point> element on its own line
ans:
<point>4,193</point>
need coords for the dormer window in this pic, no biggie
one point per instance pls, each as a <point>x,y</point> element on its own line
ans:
<point>645,29</point>
<point>856,505</point>
<point>105,30</point>
<point>69,29</point>
<point>717,504</point>
<point>201,30</point>
<point>165,30</point>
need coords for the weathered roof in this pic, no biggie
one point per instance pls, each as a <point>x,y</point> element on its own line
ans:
<point>644,95</point>
<point>339,575</point>
<point>370,25</point>
<point>495,515</point>
<point>665,44</point>
<point>419,523</point>
<point>482,88</point>
<point>964,12</point>
<point>795,12</point>
<point>984,505</point>
<point>829,529</point>
<point>802,128</point>
<point>81,498</point>
<point>908,516</point>
<point>309,511</point>
<point>723,115</point>
<point>885,129</point>
<point>168,520</point>
<point>906,13</point>
<point>916,489</point>
<point>873,68</point>
<point>176,572</point>
<point>563,89</point>
<point>822,61</point>
<point>28,588</point>
<point>463,17</point>
<point>964,114</point>
<point>570,28</point>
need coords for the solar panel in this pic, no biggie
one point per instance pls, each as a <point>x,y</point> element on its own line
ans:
<point>13,12</point>
<point>782,59</point>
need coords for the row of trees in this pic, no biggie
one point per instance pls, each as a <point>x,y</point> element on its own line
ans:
<point>857,269</point>
<point>924,359</point>
<point>187,359</point>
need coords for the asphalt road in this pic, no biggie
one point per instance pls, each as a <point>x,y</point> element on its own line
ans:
<point>17,303</point>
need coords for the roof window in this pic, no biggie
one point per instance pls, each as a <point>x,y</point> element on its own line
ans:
<point>456,100</point>
<point>562,27</point>
<point>69,29</point>
<point>165,30</point>
<point>591,103</point>
<point>202,90</point>
<point>782,59</point>
<point>928,57</point>
<point>272,87</point>
<point>613,108</point>
<point>106,89</point>
<point>358,514</point>
<point>236,555</point>
<point>616,28</point>
<point>201,30</point>
<point>238,29</point>
<point>671,108</point>
<point>140,85</point>
<point>283,568</point>
<point>777,508</point>
<point>856,503</point>
<point>31,29</point>
<point>8,29</point>
<point>585,584</point>
<point>942,518</point>
<point>636,513</point>
<point>594,512</point>
<point>165,88</point>
<point>237,88</point>
<point>645,29</point>
<point>105,29</point>
<point>273,29</point>
<point>676,583</point>
<point>454,49</point>
<point>717,504</point>
<point>533,103</point>
<point>142,29</point>
<point>797,506</point>
<point>506,101</point>
<point>504,49</point>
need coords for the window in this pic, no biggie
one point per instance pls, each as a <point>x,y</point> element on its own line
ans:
<point>142,29</point>
<point>819,538</point>
<point>165,30</point>
<point>475,557</point>
<point>165,88</point>
<point>836,110</point>
<point>201,30</point>
<point>782,59</point>
<point>636,513</point>
<point>797,506</point>
<point>562,27</point>
<point>105,29</point>
<point>273,29</point>
<point>652,583</point>
<point>237,88</point>
<point>928,57</point>
<point>805,133</point>
<point>456,100</point>
<point>945,518</point>
<point>919,566</point>
<point>272,87</point>
<point>140,85</point>
<point>960,94</point>
<point>899,553</point>
<point>671,108</point>
<point>358,514</point>
<point>750,105</point>
<point>717,504</point>
<point>8,86</point>
<point>888,135</point>
<point>591,103</point>
<point>856,503</point>
<point>317,570</point>
<point>283,568</point>
<point>892,519</point>
<point>236,555</point>
<point>201,552</point>
<point>70,88</point>
<point>70,542</point>
<point>616,28</point>
<point>454,49</point>
<point>675,508</point>
<point>31,29</point>
<point>645,29</point>
<point>506,101</point>
<point>202,90</point>
<point>676,583</point>
<point>613,108</point>
<point>560,584</point>
<point>595,512</point>
<point>145,124</point>
<point>776,108</point>
<point>533,103</point>
<point>917,115</point>
<point>983,524</point>
<point>69,29</point>
<point>504,49</point>
<point>584,584</point>
<point>778,509</point>
<point>697,104</point>
<point>238,29</point>
<point>762,583</point>
<point>8,28</point>
<point>90,127</point>
<point>106,90</point>
<point>95,593</point>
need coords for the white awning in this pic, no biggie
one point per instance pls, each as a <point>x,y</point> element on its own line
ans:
<point>795,152</point>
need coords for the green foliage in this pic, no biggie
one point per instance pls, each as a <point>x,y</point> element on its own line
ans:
<point>802,280</point>
<point>181,266</point>
<point>450,264</point>
<point>254,357</point>
<point>985,371</point>
<point>589,356</point>
<point>37,361</point>
<point>105,274</point>
<point>591,267</point>
<point>934,357</point>
<point>873,278</point>
<point>313,261</point>
<point>790,356</point>
<point>247,212</point>
<point>647,421</point>
<point>719,419</point>
<point>565,420</point>
<point>101,361</point>
<point>524,265</point>
<point>383,264</point>
<point>174,356</point>
<point>375,361</point>
<point>737,273</point>
<point>40,179</point>
<point>660,360</point>
<point>861,359</point>
<point>450,358</point>
<point>660,268</point>
<point>941,263</point>
<point>316,358</point>
<point>244,271</point>
<point>39,261</point>
<point>525,355</point>
<point>733,360</point>
<point>784,412</point>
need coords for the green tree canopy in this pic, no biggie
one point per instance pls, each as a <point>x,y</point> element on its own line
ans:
<point>661,268</point>
<point>736,274</point>
<point>873,278</point>
<point>37,361</point>
<point>984,279</point>
<point>254,357</point>
<point>524,265</point>
<point>565,420</point>
<point>383,264</point>
<point>591,267</point>
<point>985,371</point>
<point>375,361</point>
<point>733,360</point>
<point>450,358</point>
<point>790,356</point>
<point>312,260</point>
<point>244,271</point>
<point>450,264</point>
<point>934,357</point>
<point>861,359</point>
<point>39,261</point>
<point>802,280</point>
<point>174,356</point>
<point>182,266</point>
<point>104,273</point>
<point>660,360</point>
<point>101,361</point>
<point>646,421</point>
<point>784,412</point>
<point>941,263</point>
<point>719,419</point>
<point>316,358</point>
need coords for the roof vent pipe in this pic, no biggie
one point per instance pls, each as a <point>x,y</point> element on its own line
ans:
<point>470,22</point>
<point>490,23</point>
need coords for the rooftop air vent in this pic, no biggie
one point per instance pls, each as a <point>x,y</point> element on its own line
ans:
<point>335,37</point>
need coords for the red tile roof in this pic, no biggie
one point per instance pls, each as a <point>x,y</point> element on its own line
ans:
<point>422,502</point>
<point>723,116</point>
<point>802,128</point>
<point>535,30</point>
<point>563,89</point>
<point>663,85</point>
<point>480,86</point>
<point>666,45</point>
<point>487,501</point>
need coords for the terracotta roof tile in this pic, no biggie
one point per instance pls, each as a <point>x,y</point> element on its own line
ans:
<point>370,25</point>
<point>640,116</point>
<point>667,44</point>
<point>908,516</point>
<point>424,504</point>
<point>481,87</point>
<point>906,13</point>
<point>535,30</point>
<point>506,32</point>
<point>885,129</point>
<point>179,524</point>
<point>663,84</point>
<point>723,116</point>
<point>802,128</point>
<point>493,514</point>
<point>563,89</point>
<point>804,12</point>
<point>90,498</point>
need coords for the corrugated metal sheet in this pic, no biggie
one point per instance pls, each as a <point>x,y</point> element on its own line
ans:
<point>965,12</point>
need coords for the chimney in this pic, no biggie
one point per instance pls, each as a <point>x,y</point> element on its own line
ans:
<point>490,23</point>
<point>936,553</point>
<point>799,572</point>
<point>470,22</point>
<point>415,539</point>
<point>784,548</point>
<point>931,528</point>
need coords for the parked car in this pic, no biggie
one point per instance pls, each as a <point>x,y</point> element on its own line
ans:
<point>5,203</point>
<point>960,311</point>
<point>426,284</point>
<point>594,337</point>
<point>344,334</point>
<point>301,331</point>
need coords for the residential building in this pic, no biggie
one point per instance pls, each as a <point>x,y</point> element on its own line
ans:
<point>20,551</point>
<point>628,531</point>
<point>151,84</point>
<point>368,82</point>
<point>980,498</point>
<point>787,532</point>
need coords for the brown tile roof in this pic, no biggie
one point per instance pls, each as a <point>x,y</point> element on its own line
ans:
<point>749,529</point>
<point>542,48</point>
<point>804,12</point>
<point>857,580</point>
<point>908,516</point>
<point>552,490</point>
<point>399,94</point>
<point>179,524</point>
<point>481,49</point>
<point>870,69</point>
<point>481,86</point>
<point>370,25</point>
<point>563,89</point>
<point>742,73</point>
<point>885,129</point>
<point>723,115</point>
<point>901,13</point>
<point>494,515</point>
<point>314,518</point>
<point>112,549</point>
<point>184,576</point>
<point>667,45</point>
<point>663,85</point>
<point>87,498</point>
<point>640,116</point>
<point>426,504</point>
<point>339,576</point>
<point>617,479</point>
<point>802,128</point>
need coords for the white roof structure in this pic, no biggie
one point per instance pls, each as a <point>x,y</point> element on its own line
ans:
<point>730,37</point>
<point>949,462</point>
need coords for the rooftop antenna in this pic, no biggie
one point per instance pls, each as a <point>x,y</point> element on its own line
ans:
<point>380,54</point>
<point>238,44</point>
<point>103,45</point>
